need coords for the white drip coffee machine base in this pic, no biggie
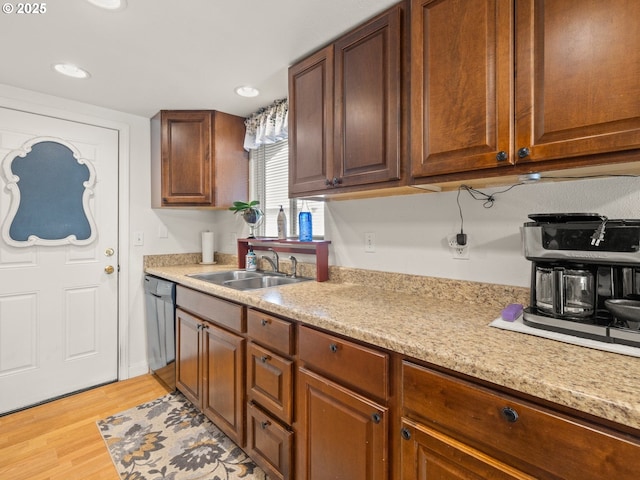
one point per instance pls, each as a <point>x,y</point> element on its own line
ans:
<point>518,326</point>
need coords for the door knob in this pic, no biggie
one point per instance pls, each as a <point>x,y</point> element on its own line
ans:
<point>109,269</point>
<point>109,252</point>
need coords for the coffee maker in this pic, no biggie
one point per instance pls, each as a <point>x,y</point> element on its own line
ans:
<point>585,276</point>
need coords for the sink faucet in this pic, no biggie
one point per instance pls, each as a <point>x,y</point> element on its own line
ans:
<point>275,262</point>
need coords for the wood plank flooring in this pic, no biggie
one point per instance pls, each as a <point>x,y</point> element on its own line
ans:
<point>60,440</point>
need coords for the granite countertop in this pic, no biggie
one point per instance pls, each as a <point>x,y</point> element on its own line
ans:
<point>446,323</point>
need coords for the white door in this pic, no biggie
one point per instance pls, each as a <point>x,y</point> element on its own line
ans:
<point>58,303</point>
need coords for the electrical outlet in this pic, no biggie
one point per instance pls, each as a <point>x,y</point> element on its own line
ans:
<point>369,242</point>
<point>459,252</point>
<point>138,238</point>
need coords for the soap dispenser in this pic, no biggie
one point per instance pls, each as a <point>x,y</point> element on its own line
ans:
<point>251,261</point>
<point>282,224</point>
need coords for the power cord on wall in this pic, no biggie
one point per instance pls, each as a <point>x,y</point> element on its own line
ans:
<point>489,199</point>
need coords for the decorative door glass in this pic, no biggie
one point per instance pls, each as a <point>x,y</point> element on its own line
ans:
<point>50,186</point>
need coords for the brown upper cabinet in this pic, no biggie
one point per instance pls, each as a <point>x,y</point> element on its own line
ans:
<point>573,100</point>
<point>345,111</point>
<point>198,159</point>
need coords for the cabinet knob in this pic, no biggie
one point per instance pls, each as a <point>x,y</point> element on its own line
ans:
<point>501,156</point>
<point>336,181</point>
<point>265,424</point>
<point>328,183</point>
<point>406,434</point>
<point>333,347</point>
<point>376,417</point>
<point>264,358</point>
<point>264,322</point>
<point>524,152</point>
<point>509,414</point>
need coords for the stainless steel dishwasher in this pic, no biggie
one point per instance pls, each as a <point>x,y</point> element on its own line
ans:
<point>160,299</point>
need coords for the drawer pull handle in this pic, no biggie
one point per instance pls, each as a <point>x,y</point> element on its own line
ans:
<point>510,415</point>
<point>524,152</point>
<point>406,434</point>
<point>265,424</point>
<point>376,417</point>
<point>264,358</point>
<point>501,156</point>
<point>264,322</point>
<point>333,347</point>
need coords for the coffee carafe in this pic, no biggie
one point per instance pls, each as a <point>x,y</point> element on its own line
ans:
<point>585,276</point>
<point>565,292</point>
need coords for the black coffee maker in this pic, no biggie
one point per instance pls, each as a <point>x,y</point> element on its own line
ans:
<point>585,276</point>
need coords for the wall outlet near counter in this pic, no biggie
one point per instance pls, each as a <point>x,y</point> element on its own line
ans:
<point>370,242</point>
<point>459,252</point>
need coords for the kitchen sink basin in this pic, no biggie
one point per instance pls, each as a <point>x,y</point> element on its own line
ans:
<point>220,277</point>
<point>243,280</point>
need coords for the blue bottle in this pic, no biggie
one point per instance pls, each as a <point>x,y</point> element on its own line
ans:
<point>305,228</point>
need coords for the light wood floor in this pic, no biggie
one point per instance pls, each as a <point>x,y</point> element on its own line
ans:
<point>60,440</point>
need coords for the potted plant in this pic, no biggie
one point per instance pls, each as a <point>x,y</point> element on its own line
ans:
<point>250,213</point>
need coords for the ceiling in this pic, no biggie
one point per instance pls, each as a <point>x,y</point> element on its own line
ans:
<point>172,54</point>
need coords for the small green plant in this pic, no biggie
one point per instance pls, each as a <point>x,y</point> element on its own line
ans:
<point>241,207</point>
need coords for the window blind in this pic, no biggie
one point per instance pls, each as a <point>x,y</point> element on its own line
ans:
<point>269,183</point>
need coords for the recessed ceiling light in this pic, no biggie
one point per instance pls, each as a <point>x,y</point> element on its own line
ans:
<point>71,70</point>
<point>246,91</point>
<point>109,4</point>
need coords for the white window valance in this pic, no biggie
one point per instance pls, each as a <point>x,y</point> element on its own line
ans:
<point>267,125</point>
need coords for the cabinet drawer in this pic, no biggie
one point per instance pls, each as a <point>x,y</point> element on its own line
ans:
<point>270,381</point>
<point>533,439</point>
<point>270,445</point>
<point>358,366</point>
<point>211,308</point>
<point>270,331</point>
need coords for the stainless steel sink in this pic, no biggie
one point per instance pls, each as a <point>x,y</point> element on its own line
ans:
<point>243,280</point>
<point>220,277</point>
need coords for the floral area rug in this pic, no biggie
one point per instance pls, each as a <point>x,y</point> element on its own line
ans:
<point>169,439</point>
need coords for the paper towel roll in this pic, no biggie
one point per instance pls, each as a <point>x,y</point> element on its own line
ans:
<point>207,247</point>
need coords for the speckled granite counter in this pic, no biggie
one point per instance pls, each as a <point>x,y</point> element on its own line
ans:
<point>445,322</point>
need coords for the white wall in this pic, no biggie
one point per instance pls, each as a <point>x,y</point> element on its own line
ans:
<point>411,230</point>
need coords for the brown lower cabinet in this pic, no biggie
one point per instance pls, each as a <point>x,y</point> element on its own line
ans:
<point>270,371</point>
<point>342,435</point>
<point>343,417</point>
<point>454,429</point>
<point>428,454</point>
<point>320,406</point>
<point>210,366</point>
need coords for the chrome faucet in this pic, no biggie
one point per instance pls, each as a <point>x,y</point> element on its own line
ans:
<point>294,266</point>
<point>275,262</point>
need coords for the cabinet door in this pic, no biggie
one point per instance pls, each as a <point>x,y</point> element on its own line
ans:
<point>187,166</point>
<point>188,356</point>
<point>461,84</point>
<point>367,102</point>
<point>430,455</point>
<point>578,77</point>
<point>223,389</point>
<point>311,122</point>
<point>343,435</point>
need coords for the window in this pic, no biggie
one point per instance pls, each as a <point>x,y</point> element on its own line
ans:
<point>270,185</point>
